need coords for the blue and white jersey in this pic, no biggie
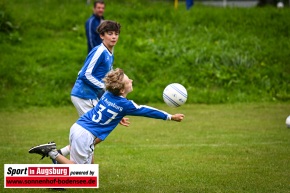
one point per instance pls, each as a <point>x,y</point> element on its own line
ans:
<point>89,81</point>
<point>110,110</point>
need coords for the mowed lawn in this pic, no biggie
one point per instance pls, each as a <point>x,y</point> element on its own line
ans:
<point>217,148</point>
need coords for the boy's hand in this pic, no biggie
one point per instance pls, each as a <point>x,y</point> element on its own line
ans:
<point>125,122</point>
<point>177,117</point>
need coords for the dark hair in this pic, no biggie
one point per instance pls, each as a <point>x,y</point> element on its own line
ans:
<point>107,26</point>
<point>98,1</point>
<point>114,81</point>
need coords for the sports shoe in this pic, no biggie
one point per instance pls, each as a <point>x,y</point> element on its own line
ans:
<point>43,149</point>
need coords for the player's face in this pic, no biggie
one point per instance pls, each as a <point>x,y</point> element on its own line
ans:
<point>128,87</point>
<point>110,39</point>
<point>99,9</point>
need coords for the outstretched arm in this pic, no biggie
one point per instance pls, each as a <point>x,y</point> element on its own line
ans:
<point>147,111</point>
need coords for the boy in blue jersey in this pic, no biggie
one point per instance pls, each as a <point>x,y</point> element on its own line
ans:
<point>98,123</point>
<point>89,85</point>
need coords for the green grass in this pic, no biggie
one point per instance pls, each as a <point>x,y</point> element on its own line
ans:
<point>217,148</point>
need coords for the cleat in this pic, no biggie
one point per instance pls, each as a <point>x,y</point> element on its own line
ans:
<point>43,149</point>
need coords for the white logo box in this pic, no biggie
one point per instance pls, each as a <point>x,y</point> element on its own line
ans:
<point>51,175</point>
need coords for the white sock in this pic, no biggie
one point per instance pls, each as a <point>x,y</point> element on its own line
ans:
<point>65,151</point>
<point>53,154</point>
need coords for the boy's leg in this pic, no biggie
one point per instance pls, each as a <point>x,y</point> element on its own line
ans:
<point>63,160</point>
<point>82,107</point>
<point>65,151</point>
<point>82,145</point>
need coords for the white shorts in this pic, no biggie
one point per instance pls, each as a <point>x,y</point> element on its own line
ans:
<point>83,105</point>
<point>81,145</point>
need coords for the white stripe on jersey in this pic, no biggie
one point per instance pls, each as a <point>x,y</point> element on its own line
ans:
<point>91,66</point>
<point>135,105</point>
<point>148,107</point>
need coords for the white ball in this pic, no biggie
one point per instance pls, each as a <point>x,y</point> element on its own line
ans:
<point>280,4</point>
<point>175,95</point>
<point>288,121</point>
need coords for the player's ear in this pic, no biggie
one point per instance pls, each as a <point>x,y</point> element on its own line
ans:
<point>122,91</point>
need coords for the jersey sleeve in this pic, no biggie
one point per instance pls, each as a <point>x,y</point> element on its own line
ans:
<point>88,75</point>
<point>146,111</point>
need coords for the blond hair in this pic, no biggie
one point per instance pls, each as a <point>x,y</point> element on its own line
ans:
<point>114,81</point>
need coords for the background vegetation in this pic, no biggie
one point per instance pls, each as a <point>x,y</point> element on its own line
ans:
<point>221,55</point>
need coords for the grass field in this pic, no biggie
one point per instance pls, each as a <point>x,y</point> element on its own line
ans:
<point>217,148</point>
